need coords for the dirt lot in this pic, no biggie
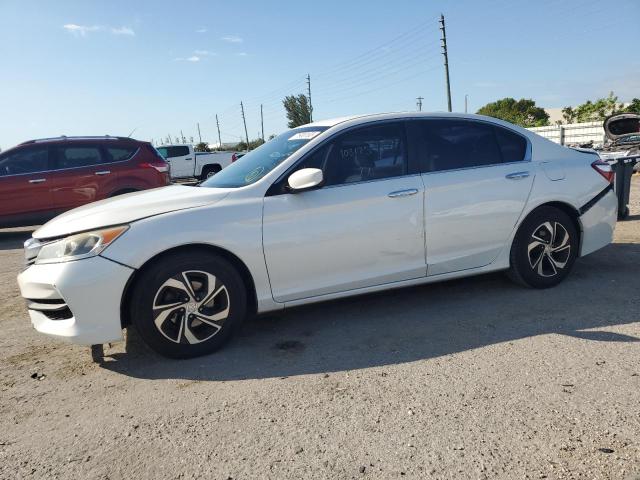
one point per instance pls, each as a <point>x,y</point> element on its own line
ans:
<point>469,379</point>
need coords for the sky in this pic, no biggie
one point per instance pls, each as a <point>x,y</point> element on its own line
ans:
<point>158,68</point>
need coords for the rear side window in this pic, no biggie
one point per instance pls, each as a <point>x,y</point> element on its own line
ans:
<point>120,154</point>
<point>512,146</point>
<point>453,144</point>
<point>24,161</point>
<point>77,156</point>
<point>170,152</point>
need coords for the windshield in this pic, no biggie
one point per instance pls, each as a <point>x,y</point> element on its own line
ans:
<point>257,163</point>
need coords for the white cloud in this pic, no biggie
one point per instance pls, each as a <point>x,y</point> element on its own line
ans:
<point>123,31</point>
<point>242,54</point>
<point>81,30</point>
<point>201,30</point>
<point>193,58</point>
<point>204,53</point>
<point>232,39</point>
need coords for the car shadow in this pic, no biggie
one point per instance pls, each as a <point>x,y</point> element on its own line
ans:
<point>14,238</point>
<point>413,324</point>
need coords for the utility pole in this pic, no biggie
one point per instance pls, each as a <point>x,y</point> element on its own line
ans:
<point>309,95</point>
<point>446,59</point>
<point>182,137</point>
<point>419,99</point>
<point>199,136</point>
<point>262,123</point>
<point>219,138</point>
<point>244,120</point>
<point>466,99</point>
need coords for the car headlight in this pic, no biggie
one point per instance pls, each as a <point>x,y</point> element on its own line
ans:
<point>80,245</point>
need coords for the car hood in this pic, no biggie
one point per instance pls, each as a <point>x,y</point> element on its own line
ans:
<point>621,125</point>
<point>128,208</point>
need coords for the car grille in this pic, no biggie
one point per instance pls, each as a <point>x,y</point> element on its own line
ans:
<point>52,308</point>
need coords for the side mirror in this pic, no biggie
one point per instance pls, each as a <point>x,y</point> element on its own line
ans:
<point>305,179</point>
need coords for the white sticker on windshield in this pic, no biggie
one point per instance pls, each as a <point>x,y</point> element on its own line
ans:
<point>305,135</point>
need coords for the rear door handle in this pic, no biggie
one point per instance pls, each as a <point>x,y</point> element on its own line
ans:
<point>403,193</point>
<point>517,175</point>
<point>187,159</point>
<point>103,172</point>
<point>38,180</point>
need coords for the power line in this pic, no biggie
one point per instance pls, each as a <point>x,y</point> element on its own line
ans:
<point>354,60</point>
<point>371,75</point>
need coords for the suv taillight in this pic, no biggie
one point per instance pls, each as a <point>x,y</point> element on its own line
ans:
<point>604,169</point>
<point>234,157</point>
<point>161,167</point>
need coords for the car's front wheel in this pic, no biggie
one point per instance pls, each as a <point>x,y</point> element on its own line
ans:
<point>188,304</point>
<point>544,249</point>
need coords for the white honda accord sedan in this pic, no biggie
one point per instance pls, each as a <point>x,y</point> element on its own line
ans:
<point>330,209</point>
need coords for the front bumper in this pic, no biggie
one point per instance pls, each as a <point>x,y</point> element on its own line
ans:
<point>77,301</point>
<point>598,223</point>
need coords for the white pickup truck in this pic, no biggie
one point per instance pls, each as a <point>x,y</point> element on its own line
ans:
<point>187,163</point>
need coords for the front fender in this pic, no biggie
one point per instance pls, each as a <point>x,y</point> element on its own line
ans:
<point>235,227</point>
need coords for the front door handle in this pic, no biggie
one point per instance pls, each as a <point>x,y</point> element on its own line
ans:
<point>103,172</point>
<point>517,175</point>
<point>38,180</point>
<point>403,193</point>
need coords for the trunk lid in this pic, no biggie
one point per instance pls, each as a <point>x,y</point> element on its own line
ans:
<point>623,128</point>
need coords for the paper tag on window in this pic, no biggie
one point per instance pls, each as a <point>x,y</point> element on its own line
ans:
<point>305,135</point>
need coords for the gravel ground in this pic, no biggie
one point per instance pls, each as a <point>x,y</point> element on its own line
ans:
<point>475,379</point>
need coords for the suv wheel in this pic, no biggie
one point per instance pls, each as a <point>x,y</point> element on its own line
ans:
<point>544,249</point>
<point>188,304</point>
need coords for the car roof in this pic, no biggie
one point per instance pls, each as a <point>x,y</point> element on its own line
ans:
<point>64,138</point>
<point>372,117</point>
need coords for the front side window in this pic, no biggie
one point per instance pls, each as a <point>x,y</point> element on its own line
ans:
<point>24,161</point>
<point>454,144</point>
<point>77,156</point>
<point>177,151</point>
<point>369,153</point>
<point>257,163</point>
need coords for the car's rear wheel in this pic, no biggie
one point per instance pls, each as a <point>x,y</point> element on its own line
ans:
<point>544,249</point>
<point>188,304</point>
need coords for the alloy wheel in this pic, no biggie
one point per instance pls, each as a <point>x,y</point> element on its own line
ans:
<point>549,249</point>
<point>191,307</point>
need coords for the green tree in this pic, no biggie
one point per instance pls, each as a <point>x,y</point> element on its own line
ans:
<point>298,110</point>
<point>593,111</point>
<point>255,143</point>
<point>634,106</point>
<point>202,147</point>
<point>523,112</point>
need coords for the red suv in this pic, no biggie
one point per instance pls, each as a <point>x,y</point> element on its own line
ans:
<point>40,179</point>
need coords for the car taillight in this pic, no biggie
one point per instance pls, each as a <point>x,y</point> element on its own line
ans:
<point>234,157</point>
<point>160,167</point>
<point>604,169</point>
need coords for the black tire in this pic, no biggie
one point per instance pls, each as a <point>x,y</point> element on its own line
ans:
<point>535,262</point>
<point>182,332</point>
<point>209,171</point>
